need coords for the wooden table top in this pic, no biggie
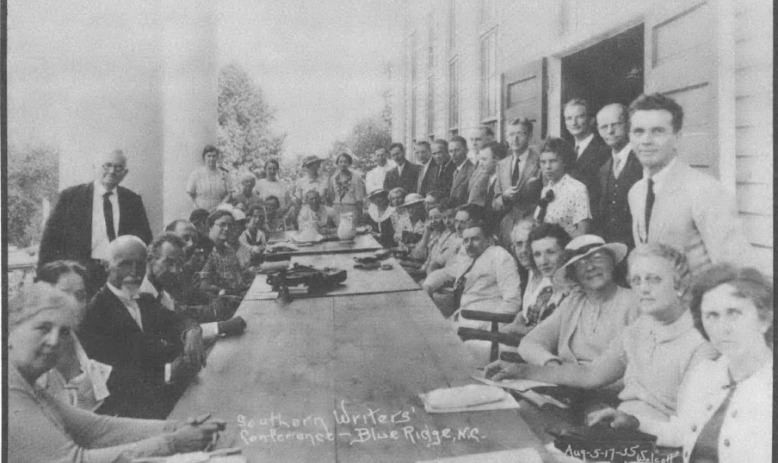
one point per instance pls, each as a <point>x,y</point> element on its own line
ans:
<point>360,243</point>
<point>358,281</point>
<point>337,379</point>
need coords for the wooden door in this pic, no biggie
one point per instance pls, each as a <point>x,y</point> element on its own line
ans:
<point>680,62</point>
<point>524,95</point>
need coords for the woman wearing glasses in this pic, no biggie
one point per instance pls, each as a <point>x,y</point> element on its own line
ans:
<point>209,185</point>
<point>594,313</point>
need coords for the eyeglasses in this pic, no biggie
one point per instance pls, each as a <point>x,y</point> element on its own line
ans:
<point>652,280</point>
<point>113,167</point>
<point>597,258</point>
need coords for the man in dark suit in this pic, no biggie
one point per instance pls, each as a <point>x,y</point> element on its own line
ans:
<point>444,170</point>
<point>428,168</point>
<point>591,152</point>
<point>518,181</point>
<point>88,217</point>
<point>460,184</point>
<point>153,352</point>
<point>405,174</point>
<point>612,218</point>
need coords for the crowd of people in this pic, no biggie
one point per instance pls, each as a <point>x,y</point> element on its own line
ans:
<point>622,269</point>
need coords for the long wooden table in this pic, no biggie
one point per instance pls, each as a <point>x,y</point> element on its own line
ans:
<point>358,281</point>
<point>360,243</point>
<point>337,379</point>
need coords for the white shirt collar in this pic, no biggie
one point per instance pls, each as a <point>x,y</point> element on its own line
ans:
<point>582,145</point>
<point>523,156</point>
<point>100,189</point>
<point>624,153</point>
<point>659,177</point>
<point>148,287</point>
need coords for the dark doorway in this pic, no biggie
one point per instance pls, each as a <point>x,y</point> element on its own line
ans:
<point>610,71</point>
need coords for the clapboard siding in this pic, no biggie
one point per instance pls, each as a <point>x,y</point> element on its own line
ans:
<point>753,107</point>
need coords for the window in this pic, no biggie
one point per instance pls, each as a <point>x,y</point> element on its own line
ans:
<point>430,42</point>
<point>487,11</point>
<point>489,85</point>
<point>453,94</point>
<point>452,24</point>
<point>413,59</point>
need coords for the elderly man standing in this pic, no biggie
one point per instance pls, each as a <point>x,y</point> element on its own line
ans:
<point>89,216</point>
<point>590,151</point>
<point>153,352</point>
<point>674,204</point>
<point>463,171</point>
<point>518,181</point>
<point>405,174</point>
<point>489,283</point>
<point>374,180</point>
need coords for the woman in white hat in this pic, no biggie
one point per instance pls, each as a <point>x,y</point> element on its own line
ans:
<point>379,217</point>
<point>594,313</point>
<point>412,216</point>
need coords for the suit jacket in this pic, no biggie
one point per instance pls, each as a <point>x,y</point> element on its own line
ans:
<point>408,179</point>
<point>68,231</point>
<point>612,218</point>
<point>693,213</point>
<point>530,185</point>
<point>441,187</point>
<point>426,179</point>
<point>587,168</point>
<point>138,357</point>
<point>460,184</point>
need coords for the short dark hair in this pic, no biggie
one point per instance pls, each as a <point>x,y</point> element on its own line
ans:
<point>209,149</point>
<point>523,121</point>
<point>423,143</point>
<point>561,148</point>
<point>482,224</point>
<point>497,148</point>
<point>272,161</point>
<point>380,148</point>
<point>547,230</point>
<point>171,227</point>
<point>199,216</point>
<point>486,129</point>
<point>255,207</point>
<point>273,198</point>
<point>53,271</point>
<point>442,143</point>
<point>446,204</point>
<point>155,248</point>
<point>748,283</point>
<point>579,102</point>
<point>397,145</point>
<point>345,155</point>
<point>460,140</point>
<point>476,212</point>
<point>216,215</point>
<point>658,102</point>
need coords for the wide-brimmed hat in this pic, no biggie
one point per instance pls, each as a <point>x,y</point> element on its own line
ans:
<point>237,214</point>
<point>377,192</point>
<point>411,199</point>
<point>311,160</point>
<point>583,246</point>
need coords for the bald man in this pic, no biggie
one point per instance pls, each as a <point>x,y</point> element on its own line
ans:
<point>89,216</point>
<point>153,352</point>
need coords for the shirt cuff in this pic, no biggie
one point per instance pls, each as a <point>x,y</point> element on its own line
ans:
<point>210,331</point>
<point>168,370</point>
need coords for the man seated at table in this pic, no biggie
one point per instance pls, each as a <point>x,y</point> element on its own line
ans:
<point>489,283</point>
<point>448,241</point>
<point>274,222</point>
<point>652,355</point>
<point>316,215</point>
<point>419,252</point>
<point>163,283</point>
<point>253,237</point>
<point>153,352</point>
<point>199,218</point>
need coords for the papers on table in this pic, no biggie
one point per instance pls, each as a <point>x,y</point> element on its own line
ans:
<point>217,456</point>
<point>524,387</point>
<point>503,456</point>
<point>473,397</point>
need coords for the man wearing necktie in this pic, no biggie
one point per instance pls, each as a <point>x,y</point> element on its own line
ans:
<point>590,151</point>
<point>518,183</point>
<point>445,168</point>
<point>428,169</point>
<point>675,204</point>
<point>89,216</point>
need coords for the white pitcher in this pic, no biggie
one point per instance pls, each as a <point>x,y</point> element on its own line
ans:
<point>346,228</point>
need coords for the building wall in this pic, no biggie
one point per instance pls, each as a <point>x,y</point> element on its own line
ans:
<point>534,29</point>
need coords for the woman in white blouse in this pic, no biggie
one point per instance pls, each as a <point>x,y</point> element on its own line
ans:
<point>209,185</point>
<point>724,406</point>
<point>563,200</point>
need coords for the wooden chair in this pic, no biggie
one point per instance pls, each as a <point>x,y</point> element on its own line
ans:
<point>494,335</point>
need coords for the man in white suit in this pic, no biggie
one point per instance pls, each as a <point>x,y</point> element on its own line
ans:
<point>674,204</point>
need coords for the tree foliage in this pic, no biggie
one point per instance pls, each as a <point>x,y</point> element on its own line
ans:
<point>33,176</point>
<point>366,136</point>
<point>244,136</point>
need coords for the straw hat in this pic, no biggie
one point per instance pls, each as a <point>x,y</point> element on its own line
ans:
<point>584,246</point>
<point>311,160</point>
<point>377,192</point>
<point>411,199</point>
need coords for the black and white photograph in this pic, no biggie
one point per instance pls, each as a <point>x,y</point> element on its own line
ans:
<point>413,231</point>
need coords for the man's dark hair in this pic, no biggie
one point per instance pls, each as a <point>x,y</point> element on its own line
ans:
<point>476,212</point>
<point>51,272</point>
<point>524,122</point>
<point>423,143</point>
<point>561,148</point>
<point>171,227</point>
<point>216,215</point>
<point>658,102</point>
<point>486,129</point>
<point>458,139</point>
<point>442,143</point>
<point>397,145</point>
<point>198,216</point>
<point>498,149</point>
<point>155,248</point>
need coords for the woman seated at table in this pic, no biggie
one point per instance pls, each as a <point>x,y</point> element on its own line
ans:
<point>592,315</point>
<point>411,221</point>
<point>542,296</point>
<point>76,379</point>
<point>725,406</point>
<point>379,217</point>
<point>42,428</point>
<point>564,200</point>
<point>222,272</point>
<point>653,353</point>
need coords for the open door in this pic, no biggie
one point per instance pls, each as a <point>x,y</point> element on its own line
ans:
<point>524,90</point>
<point>681,62</point>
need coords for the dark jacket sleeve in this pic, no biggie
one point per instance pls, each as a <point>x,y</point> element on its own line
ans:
<point>52,243</point>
